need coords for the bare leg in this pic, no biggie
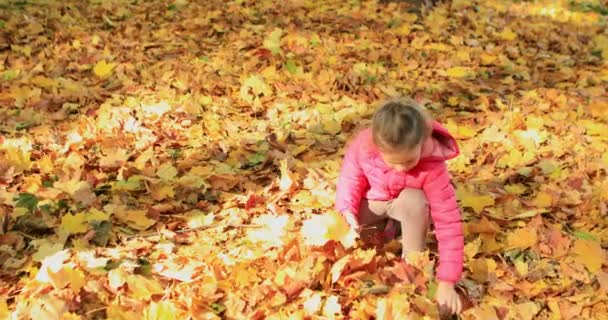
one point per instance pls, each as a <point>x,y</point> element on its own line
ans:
<point>411,210</point>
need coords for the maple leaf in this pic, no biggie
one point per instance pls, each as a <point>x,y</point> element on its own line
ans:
<point>522,238</point>
<point>271,231</point>
<point>469,199</point>
<point>460,72</point>
<point>288,182</point>
<point>80,191</point>
<point>103,69</point>
<point>273,41</point>
<point>257,86</point>
<point>322,228</point>
<point>589,253</point>
<point>136,219</point>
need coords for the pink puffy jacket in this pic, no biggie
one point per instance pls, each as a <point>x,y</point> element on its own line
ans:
<point>365,175</point>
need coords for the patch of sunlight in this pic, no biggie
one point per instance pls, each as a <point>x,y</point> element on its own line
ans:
<point>271,231</point>
<point>53,264</point>
<point>320,229</point>
<point>157,109</point>
<point>561,11</point>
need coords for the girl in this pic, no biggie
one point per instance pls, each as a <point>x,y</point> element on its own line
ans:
<point>397,171</point>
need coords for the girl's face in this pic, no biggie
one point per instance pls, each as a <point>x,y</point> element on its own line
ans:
<point>401,160</point>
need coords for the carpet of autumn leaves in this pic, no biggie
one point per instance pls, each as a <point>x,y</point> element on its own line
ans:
<point>175,160</point>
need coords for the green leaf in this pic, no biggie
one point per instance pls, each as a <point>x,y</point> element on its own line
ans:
<point>584,235</point>
<point>112,265</point>
<point>273,41</point>
<point>256,158</point>
<point>23,125</point>
<point>174,153</point>
<point>172,7</point>
<point>218,307</point>
<point>432,289</point>
<point>9,75</point>
<point>145,267</point>
<point>291,66</point>
<point>102,232</point>
<point>132,184</point>
<point>376,289</point>
<point>2,23</point>
<point>27,200</point>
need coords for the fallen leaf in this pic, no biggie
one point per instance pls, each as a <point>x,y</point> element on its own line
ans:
<point>460,72</point>
<point>166,171</point>
<point>589,253</point>
<point>468,198</point>
<point>522,238</point>
<point>103,69</point>
<point>332,307</point>
<point>320,229</point>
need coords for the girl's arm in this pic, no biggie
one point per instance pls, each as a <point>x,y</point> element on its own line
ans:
<point>352,183</point>
<point>448,225</point>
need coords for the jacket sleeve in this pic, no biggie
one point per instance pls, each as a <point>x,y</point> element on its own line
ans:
<point>447,220</point>
<point>352,182</point>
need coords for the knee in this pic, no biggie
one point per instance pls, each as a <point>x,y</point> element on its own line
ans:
<point>411,203</point>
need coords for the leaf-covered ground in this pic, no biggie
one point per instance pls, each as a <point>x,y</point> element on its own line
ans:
<point>175,160</point>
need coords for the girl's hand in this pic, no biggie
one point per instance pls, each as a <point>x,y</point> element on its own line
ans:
<point>448,298</point>
<point>352,221</point>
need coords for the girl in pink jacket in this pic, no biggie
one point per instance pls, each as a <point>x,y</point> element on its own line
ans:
<point>397,170</point>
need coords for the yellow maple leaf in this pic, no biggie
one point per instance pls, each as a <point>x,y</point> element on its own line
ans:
<point>166,171</point>
<point>461,131</point>
<point>514,158</point>
<point>72,224</point>
<point>271,231</point>
<point>45,248</point>
<point>45,164</point>
<point>522,238</point>
<point>79,223</point>
<point>487,59</point>
<point>589,253</point>
<point>517,188</point>
<point>80,191</point>
<point>543,200</point>
<point>162,310</point>
<point>599,109</point>
<point>403,30</point>
<point>257,86</point>
<point>273,41</point>
<point>143,288</point>
<point>332,126</point>
<point>460,72</point>
<point>320,229</point>
<point>136,219</point>
<point>482,269</point>
<point>115,311</point>
<point>601,44</point>
<point>527,310</point>
<point>161,191</point>
<point>507,34</point>
<point>103,69</point>
<point>468,198</point>
<point>18,159</point>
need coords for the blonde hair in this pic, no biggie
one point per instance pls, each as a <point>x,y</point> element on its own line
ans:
<point>400,123</point>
